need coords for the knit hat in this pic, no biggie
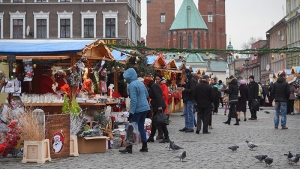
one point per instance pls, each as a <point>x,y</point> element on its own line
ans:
<point>205,77</point>
<point>147,80</point>
<point>242,82</point>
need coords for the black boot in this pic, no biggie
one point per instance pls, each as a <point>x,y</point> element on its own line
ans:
<point>237,122</point>
<point>128,149</point>
<point>144,147</point>
<point>150,139</point>
<point>227,122</point>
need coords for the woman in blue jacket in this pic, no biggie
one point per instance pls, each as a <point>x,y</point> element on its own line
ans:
<point>139,106</point>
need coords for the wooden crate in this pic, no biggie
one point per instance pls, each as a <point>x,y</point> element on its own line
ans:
<point>36,151</point>
<point>73,146</point>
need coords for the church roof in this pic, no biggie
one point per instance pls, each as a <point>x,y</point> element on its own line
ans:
<point>188,17</point>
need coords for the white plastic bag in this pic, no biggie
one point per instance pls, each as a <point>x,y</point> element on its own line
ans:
<point>127,102</point>
<point>135,139</point>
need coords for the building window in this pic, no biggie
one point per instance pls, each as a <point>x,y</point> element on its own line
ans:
<point>109,0</point>
<point>88,0</point>
<point>88,20</point>
<point>40,0</point>
<point>17,27</point>
<point>190,42</point>
<point>1,24</point>
<point>64,0</point>
<point>180,41</point>
<point>65,22</point>
<point>110,27</point>
<point>41,24</point>
<point>17,1</point>
<point>110,20</point>
<point>209,17</point>
<point>198,39</point>
<point>41,28</point>
<point>65,28</point>
<point>88,28</point>
<point>162,18</point>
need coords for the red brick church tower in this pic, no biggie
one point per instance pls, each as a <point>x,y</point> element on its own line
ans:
<point>213,13</point>
<point>160,15</point>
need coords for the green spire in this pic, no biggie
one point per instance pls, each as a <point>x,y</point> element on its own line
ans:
<point>188,17</point>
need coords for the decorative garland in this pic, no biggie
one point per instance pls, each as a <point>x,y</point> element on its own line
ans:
<point>146,50</point>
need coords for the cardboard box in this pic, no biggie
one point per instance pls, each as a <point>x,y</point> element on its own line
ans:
<point>87,145</point>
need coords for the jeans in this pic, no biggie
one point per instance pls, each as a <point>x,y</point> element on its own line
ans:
<point>280,107</point>
<point>189,116</point>
<point>140,119</point>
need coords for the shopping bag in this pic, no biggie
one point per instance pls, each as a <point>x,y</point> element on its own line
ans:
<point>266,99</point>
<point>160,119</point>
<point>273,103</point>
<point>255,105</point>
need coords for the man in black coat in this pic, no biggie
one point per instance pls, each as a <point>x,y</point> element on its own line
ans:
<point>252,96</point>
<point>189,101</point>
<point>204,97</point>
<point>281,91</point>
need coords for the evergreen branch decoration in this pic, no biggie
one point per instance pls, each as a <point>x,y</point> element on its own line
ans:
<point>260,51</point>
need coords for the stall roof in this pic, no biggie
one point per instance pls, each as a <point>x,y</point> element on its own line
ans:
<point>117,55</point>
<point>151,59</point>
<point>41,47</point>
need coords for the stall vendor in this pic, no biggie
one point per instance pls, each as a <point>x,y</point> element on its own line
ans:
<point>46,81</point>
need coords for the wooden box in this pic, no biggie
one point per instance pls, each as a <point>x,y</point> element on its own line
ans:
<point>88,145</point>
<point>73,146</point>
<point>36,151</point>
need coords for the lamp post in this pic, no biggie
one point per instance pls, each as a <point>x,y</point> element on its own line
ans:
<point>246,65</point>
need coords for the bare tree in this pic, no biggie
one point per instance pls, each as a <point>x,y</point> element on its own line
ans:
<point>247,45</point>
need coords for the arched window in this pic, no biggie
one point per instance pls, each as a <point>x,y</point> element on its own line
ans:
<point>198,39</point>
<point>180,41</point>
<point>190,41</point>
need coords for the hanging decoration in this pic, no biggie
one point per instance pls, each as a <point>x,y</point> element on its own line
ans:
<point>230,53</point>
<point>255,54</point>
<point>272,57</point>
<point>28,69</point>
<point>207,53</point>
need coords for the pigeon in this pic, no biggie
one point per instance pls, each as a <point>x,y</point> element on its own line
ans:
<point>261,157</point>
<point>267,112</point>
<point>173,146</point>
<point>181,156</point>
<point>268,161</point>
<point>290,155</point>
<point>261,109</point>
<point>294,159</point>
<point>233,148</point>
<point>251,145</point>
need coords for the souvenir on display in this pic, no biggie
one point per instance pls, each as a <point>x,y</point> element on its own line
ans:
<point>28,69</point>
<point>87,82</point>
<point>2,80</point>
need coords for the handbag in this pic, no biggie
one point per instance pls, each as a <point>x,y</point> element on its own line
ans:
<point>255,105</point>
<point>160,119</point>
<point>239,94</point>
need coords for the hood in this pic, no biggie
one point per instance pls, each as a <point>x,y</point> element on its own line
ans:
<point>130,75</point>
<point>280,80</point>
<point>233,81</point>
<point>188,73</point>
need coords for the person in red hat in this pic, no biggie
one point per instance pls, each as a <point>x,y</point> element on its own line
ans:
<point>46,81</point>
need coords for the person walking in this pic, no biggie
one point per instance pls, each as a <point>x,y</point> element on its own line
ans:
<point>293,90</point>
<point>233,91</point>
<point>158,106</point>
<point>266,94</point>
<point>139,106</point>
<point>161,81</point>
<point>204,97</point>
<point>188,100</point>
<point>242,100</point>
<point>253,96</point>
<point>221,85</point>
<point>281,91</point>
<point>217,89</point>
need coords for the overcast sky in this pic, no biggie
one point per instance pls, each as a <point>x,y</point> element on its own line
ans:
<point>244,18</point>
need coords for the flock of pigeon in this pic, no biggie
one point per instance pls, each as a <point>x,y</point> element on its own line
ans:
<point>292,158</point>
